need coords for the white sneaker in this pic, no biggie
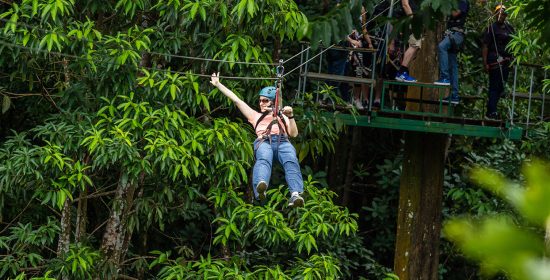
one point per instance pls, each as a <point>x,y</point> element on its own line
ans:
<point>261,188</point>
<point>296,201</point>
<point>358,104</point>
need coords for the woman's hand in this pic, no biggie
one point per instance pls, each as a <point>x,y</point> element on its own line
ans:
<point>215,79</point>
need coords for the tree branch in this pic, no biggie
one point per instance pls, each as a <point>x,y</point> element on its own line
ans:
<point>94,195</point>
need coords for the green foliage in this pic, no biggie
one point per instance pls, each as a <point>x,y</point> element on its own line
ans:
<point>535,13</point>
<point>25,247</point>
<point>500,243</point>
<point>305,232</point>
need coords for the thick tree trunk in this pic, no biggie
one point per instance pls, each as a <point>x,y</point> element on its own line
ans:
<point>421,187</point>
<point>115,230</point>
<point>426,69</point>
<point>420,206</point>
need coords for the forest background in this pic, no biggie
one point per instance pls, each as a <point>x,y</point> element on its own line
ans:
<point>118,161</point>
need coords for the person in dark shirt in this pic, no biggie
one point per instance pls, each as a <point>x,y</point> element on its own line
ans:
<point>496,59</point>
<point>449,47</point>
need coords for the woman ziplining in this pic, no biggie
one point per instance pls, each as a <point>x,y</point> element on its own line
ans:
<point>273,127</point>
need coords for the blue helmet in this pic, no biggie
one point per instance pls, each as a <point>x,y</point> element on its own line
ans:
<point>268,92</point>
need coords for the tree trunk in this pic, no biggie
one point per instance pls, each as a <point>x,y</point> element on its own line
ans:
<point>65,235</point>
<point>115,229</point>
<point>420,206</point>
<point>425,69</point>
<point>81,216</point>
<point>355,142</point>
<point>130,201</point>
<point>421,187</point>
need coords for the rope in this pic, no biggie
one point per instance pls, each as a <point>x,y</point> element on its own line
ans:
<point>9,44</point>
<point>379,14</point>
<point>296,55</point>
<point>213,60</point>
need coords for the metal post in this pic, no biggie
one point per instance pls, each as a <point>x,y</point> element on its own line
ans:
<point>373,84</point>
<point>280,72</point>
<point>320,66</point>
<point>530,95</point>
<point>386,39</point>
<point>514,94</point>
<point>305,73</point>
<point>300,73</point>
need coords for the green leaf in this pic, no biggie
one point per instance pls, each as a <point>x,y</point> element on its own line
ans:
<point>6,103</point>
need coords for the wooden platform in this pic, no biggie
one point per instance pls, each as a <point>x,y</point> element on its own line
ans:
<point>338,78</point>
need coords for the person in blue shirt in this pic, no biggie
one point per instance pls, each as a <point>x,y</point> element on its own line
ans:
<point>449,48</point>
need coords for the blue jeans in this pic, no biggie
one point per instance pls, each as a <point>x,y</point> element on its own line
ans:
<point>283,152</point>
<point>448,65</point>
<point>497,80</point>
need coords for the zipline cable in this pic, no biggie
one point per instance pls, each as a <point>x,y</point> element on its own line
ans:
<point>212,59</point>
<point>9,44</point>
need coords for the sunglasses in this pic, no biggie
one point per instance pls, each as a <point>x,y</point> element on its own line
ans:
<point>264,100</point>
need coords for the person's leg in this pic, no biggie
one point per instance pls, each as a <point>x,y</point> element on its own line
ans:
<point>410,54</point>
<point>495,85</point>
<point>286,155</point>
<point>453,74</point>
<point>263,164</point>
<point>505,74</point>
<point>453,64</point>
<point>444,62</point>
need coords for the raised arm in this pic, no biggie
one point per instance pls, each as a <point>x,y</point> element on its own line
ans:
<point>406,7</point>
<point>243,107</point>
<point>364,27</point>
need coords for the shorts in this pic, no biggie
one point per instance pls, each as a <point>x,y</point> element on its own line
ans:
<point>413,42</point>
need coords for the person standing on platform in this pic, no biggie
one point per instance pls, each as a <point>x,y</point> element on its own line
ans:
<point>496,59</point>
<point>409,8</point>
<point>449,48</point>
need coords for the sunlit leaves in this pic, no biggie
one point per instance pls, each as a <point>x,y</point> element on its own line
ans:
<point>530,201</point>
<point>80,261</point>
<point>500,244</point>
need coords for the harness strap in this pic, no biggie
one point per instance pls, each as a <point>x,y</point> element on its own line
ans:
<point>262,117</point>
